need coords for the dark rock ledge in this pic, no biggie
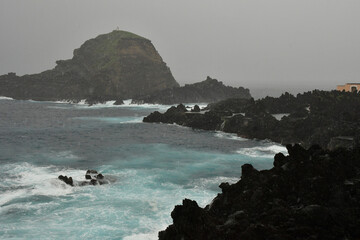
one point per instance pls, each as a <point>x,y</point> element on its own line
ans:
<point>309,194</point>
<point>329,119</point>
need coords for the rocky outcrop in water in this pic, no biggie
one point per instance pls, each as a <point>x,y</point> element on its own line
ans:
<point>181,116</point>
<point>67,180</point>
<point>208,91</point>
<point>92,178</point>
<point>309,194</point>
<point>330,119</point>
<point>117,65</point>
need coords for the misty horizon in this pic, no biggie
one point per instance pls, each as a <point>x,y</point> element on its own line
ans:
<point>284,45</point>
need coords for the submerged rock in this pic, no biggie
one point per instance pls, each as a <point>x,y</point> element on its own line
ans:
<point>309,194</point>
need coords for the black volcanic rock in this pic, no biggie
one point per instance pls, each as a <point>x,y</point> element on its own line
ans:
<point>67,180</point>
<point>172,115</point>
<point>113,66</point>
<point>309,194</point>
<point>155,117</point>
<point>196,108</point>
<point>92,178</point>
<point>180,116</point>
<point>190,222</point>
<point>328,118</point>
<point>119,102</point>
<point>208,91</point>
<point>233,105</point>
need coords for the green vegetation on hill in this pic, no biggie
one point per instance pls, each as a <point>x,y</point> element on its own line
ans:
<point>112,66</point>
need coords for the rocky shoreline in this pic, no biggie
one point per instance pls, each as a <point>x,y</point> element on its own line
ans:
<point>309,194</point>
<point>329,119</point>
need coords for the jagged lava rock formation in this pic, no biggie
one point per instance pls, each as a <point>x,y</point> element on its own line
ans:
<point>309,194</point>
<point>330,119</point>
<point>207,91</point>
<point>117,65</point>
<point>92,178</point>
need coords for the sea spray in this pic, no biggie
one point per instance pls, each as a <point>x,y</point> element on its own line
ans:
<point>155,166</point>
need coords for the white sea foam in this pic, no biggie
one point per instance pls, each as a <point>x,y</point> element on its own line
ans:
<point>103,105</point>
<point>131,206</point>
<point>83,104</point>
<point>109,104</point>
<point>66,155</point>
<point>208,183</point>
<point>177,125</point>
<point>191,105</point>
<point>135,120</point>
<point>6,98</point>
<point>28,180</point>
<point>143,236</point>
<point>230,136</point>
<point>80,105</point>
<point>64,101</point>
<point>160,107</point>
<point>114,119</point>
<point>263,151</point>
<point>8,196</point>
<point>279,116</point>
<point>128,104</point>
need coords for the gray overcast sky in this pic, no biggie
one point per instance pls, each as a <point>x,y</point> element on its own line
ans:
<point>250,43</point>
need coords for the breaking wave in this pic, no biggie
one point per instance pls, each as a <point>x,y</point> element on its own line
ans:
<point>5,98</point>
<point>231,136</point>
<point>263,151</point>
<point>25,180</point>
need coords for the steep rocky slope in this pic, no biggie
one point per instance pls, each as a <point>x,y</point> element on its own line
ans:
<point>208,91</point>
<point>117,65</point>
<point>309,194</point>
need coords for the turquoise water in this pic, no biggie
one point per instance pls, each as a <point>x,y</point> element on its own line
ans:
<point>155,167</point>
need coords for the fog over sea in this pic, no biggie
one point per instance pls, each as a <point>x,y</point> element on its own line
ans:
<point>155,166</point>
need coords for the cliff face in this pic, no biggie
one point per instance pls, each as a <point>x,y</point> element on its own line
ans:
<point>210,90</point>
<point>117,65</point>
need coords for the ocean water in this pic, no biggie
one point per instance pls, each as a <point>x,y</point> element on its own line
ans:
<point>155,166</point>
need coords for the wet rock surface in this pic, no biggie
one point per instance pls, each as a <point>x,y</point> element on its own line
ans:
<point>309,194</point>
<point>92,178</point>
<point>330,119</point>
<point>181,116</point>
